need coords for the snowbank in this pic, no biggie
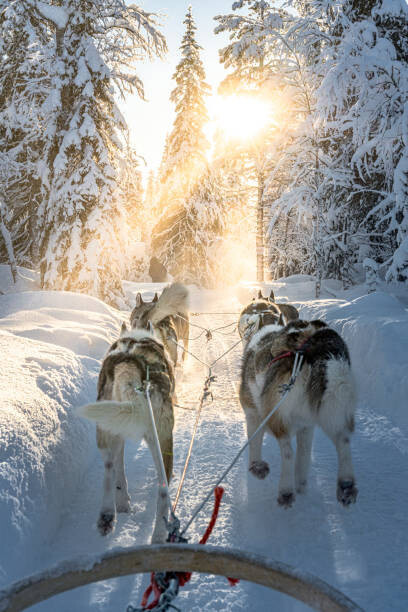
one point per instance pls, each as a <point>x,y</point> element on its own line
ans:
<point>51,473</point>
<point>51,344</point>
<point>375,327</point>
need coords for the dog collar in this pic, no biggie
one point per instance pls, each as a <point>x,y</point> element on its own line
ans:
<point>282,356</point>
<point>301,350</point>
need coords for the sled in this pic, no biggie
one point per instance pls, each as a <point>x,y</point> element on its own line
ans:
<point>178,557</point>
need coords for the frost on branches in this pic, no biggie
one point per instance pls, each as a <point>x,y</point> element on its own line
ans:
<point>25,52</point>
<point>190,218</point>
<point>340,169</point>
<point>362,104</point>
<point>83,218</point>
<point>70,57</point>
<point>186,146</point>
<point>189,240</point>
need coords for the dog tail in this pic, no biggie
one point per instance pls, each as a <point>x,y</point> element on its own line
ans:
<point>173,300</point>
<point>124,419</point>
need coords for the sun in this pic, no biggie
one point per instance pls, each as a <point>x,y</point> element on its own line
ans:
<point>241,117</point>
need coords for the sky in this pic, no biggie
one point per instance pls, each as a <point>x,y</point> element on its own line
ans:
<point>150,121</point>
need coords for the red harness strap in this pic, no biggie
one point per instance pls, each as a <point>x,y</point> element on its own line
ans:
<point>301,349</point>
<point>281,356</point>
<point>184,577</point>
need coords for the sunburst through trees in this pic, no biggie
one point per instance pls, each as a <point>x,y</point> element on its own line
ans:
<point>297,163</point>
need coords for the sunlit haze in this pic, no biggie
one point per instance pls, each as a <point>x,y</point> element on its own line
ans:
<point>241,117</point>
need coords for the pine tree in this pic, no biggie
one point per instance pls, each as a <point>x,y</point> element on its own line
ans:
<point>185,158</point>
<point>8,243</point>
<point>151,205</point>
<point>364,119</point>
<point>79,241</point>
<point>189,209</point>
<point>82,214</point>
<point>25,48</point>
<point>132,189</point>
<point>187,241</point>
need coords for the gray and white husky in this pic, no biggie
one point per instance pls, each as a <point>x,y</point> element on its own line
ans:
<point>264,311</point>
<point>122,412</point>
<point>168,314</point>
<point>323,394</point>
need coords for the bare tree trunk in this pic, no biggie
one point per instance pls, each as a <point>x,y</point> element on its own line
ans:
<point>285,244</point>
<point>8,242</point>
<point>318,236</point>
<point>319,248</point>
<point>260,235</point>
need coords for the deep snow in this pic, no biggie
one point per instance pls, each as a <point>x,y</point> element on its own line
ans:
<point>51,473</point>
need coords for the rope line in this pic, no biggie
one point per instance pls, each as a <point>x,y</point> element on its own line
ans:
<point>206,393</point>
<point>164,485</point>
<point>208,331</point>
<point>197,314</point>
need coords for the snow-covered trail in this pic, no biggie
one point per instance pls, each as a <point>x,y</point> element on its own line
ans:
<point>361,550</point>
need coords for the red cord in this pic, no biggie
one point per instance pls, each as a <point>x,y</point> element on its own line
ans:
<point>184,577</point>
<point>153,587</point>
<point>281,356</point>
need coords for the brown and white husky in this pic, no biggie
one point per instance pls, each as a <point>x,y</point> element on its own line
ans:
<point>323,394</point>
<point>122,412</point>
<point>168,314</point>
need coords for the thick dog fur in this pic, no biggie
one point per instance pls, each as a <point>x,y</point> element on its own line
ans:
<point>323,395</point>
<point>122,412</point>
<point>289,312</point>
<point>168,315</point>
<point>264,311</point>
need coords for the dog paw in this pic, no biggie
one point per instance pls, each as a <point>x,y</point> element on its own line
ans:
<point>106,523</point>
<point>346,492</point>
<point>286,499</point>
<point>260,469</point>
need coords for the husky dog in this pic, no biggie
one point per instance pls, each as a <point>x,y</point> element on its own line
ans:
<point>257,314</point>
<point>122,412</point>
<point>168,314</point>
<point>323,395</point>
<point>289,312</point>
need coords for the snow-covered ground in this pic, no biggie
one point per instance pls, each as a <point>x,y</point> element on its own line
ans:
<point>51,474</point>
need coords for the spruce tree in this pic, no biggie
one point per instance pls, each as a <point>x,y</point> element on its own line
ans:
<point>187,144</point>
<point>190,215</point>
<point>80,243</point>
<point>25,52</point>
<point>366,126</point>
<point>82,216</point>
<point>187,241</point>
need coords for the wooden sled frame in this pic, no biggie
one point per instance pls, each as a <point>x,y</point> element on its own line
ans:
<point>178,557</point>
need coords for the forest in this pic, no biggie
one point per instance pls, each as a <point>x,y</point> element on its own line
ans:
<point>306,171</point>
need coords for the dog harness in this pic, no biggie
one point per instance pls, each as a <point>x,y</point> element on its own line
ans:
<point>300,351</point>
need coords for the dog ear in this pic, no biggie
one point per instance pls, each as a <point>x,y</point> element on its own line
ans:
<point>156,297</point>
<point>271,296</point>
<point>260,296</point>
<point>123,329</point>
<point>281,320</point>
<point>139,300</point>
